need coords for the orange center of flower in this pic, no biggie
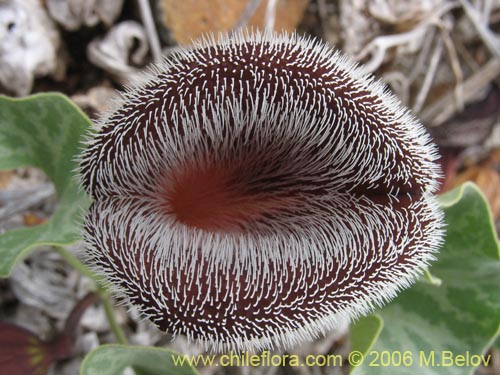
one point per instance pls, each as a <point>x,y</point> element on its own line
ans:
<point>215,199</point>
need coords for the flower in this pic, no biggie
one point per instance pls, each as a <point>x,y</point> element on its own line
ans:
<point>258,190</point>
<point>24,353</point>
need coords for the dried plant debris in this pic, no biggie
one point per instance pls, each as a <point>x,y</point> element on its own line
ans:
<point>121,51</point>
<point>26,191</point>
<point>96,100</point>
<point>189,19</point>
<point>474,125</point>
<point>45,282</point>
<point>433,53</point>
<point>29,44</point>
<point>73,14</point>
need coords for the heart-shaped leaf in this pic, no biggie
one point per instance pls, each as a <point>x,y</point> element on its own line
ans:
<point>446,328</point>
<point>43,131</point>
<point>113,359</point>
<point>365,332</point>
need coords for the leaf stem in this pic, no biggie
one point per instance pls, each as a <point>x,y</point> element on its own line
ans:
<point>110,314</point>
<point>103,294</point>
<point>76,263</point>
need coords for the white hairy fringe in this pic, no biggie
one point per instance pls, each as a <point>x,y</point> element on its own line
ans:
<point>128,183</point>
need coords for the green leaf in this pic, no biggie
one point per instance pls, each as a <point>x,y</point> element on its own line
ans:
<point>460,317</point>
<point>43,131</point>
<point>365,332</point>
<point>113,359</point>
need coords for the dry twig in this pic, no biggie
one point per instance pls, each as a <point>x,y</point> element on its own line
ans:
<point>149,25</point>
<point>444,108</point>
<point>249,11</point>
<point>455,65</point>
<point>270,14</point>
<point>429,77</point>
<point>16,201</point>
<point>378,47</point>
<point>480,21</point>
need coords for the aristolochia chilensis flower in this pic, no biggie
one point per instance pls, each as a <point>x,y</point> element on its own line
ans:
<point>258,190</point>
<point>24,353</point>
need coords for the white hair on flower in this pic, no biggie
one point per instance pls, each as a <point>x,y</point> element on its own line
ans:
<point>259,190</point>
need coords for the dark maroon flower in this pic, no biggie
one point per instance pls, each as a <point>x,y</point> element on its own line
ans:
<point>24,353</point>
<point>259,190</point>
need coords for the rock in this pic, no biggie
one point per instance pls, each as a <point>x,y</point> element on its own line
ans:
<point>29,43</point>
